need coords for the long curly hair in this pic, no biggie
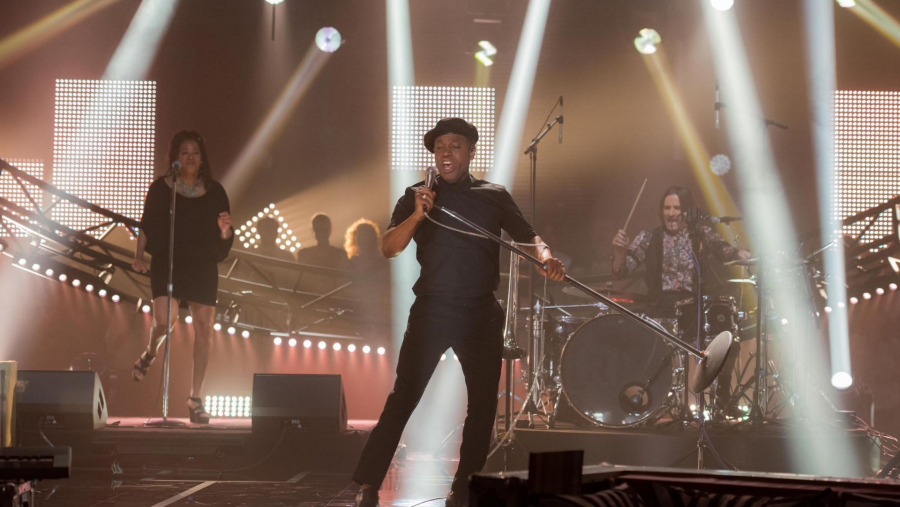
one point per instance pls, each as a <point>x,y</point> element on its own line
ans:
<point>351,237</point>
<point>175,147</point>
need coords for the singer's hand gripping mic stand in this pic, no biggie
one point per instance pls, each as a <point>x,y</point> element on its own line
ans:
<point>165,422</point>
<point>711,360</point>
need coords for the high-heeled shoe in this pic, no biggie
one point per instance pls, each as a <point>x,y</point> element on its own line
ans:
<point>197,411</point>
<point>139,371</point>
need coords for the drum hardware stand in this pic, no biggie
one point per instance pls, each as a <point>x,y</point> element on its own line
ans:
<point>711,360</point>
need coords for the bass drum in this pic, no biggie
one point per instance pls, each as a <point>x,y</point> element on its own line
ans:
<point>617,373</point>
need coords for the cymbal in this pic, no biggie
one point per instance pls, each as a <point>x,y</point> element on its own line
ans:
<point>739,262</point>
<point>713,361</point>
<point>619,296</point>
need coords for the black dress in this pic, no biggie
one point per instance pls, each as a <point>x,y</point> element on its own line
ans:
<point>199,246</point>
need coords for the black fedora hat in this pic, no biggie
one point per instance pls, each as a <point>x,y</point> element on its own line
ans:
<point>451,126</point>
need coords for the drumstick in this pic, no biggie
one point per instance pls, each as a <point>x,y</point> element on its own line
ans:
<point>635,204</point>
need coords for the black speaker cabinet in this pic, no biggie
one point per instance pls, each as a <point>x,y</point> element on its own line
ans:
<point>60,399</point>
<point>309,402</point>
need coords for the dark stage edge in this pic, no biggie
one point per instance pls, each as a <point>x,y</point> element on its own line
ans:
<point>225,447</point>
<point>777,449</point>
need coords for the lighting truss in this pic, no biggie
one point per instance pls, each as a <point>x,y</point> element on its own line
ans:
<point>416,110</point>
<point>103,147</point>
<point>249,237</point>
<point>867,158</point>
<point>11,190</point>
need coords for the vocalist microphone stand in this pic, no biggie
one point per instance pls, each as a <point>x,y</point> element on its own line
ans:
<point>536,318</point>
<point>711,360</point>
<point>165,422</point>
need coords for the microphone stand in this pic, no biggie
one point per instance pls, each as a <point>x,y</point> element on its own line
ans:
<point>536,324</point>
<point>165,422</point>
<point>711,359</point>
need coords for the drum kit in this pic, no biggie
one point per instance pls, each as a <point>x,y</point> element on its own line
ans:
<point>614,372</point>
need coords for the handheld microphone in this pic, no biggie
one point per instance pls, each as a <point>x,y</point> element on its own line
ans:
<point>725,220</point>
<point>561,118</point>
<point>717,104</point>
<point>430,176</point>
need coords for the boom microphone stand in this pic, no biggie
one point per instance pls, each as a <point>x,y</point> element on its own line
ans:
<point>165,422</point>
<point>711,360</point>
<point>535,344</point>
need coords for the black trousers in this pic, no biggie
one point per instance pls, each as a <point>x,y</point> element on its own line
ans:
<point>474,330</point>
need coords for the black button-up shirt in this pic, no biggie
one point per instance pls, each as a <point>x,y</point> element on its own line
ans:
<point>458,265</point>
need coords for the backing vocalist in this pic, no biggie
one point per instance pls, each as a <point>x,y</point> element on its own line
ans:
<point>203,238</point>
<point>454,307</point>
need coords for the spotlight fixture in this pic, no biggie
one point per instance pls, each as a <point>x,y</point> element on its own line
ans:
<point>336,346</point>
<point>381,351</point>
<point>292,342</point>
<point>231,330</point>
<point>307,344</point>
<point>115,298</point>
<point>89,288</point>
<point>23,261</point>
<point>847,3</point>
<point>49,272</point>
<point>277,340</point>
<point>487,51</point>
<point>102,293</point>
<point>188,319</point>
<point>245,334</point>
<point>328,39</point>
<point>879,291</point>
<point>841,380</point>
<point>722,5</point>
<point>351,348</point>
<point>36,267</point>
<point>366,349</point>
<point>647,41</point>
<point>866,295</point>
<point>854,300</point>
<point>63,277</point>
<point>892,286</point>
<point>76,283</point>
<point>217,326</point>
<point>827,309</point>
<point>322,345</point>
<point>145,308</point>
<point>720,164</point>
<point>274,2</point>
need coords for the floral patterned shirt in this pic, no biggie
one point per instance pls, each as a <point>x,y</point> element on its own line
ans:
<point>678,270</point>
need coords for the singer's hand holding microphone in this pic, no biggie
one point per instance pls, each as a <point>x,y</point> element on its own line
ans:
<point>424,195</point>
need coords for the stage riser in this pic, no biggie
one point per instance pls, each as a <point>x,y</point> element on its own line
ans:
<point>749,452</point>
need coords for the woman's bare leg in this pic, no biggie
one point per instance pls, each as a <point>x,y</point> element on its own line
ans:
<point>158,328</point>
<point>203,316</point>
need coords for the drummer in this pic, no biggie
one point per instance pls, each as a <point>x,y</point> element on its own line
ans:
<point>666,251</point>
<point>670,272</point>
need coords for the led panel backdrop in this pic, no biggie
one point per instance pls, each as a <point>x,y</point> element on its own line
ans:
<point>416,109</point>
<point>867,156</point>
<point>103,144</point>
<point>12,191</point>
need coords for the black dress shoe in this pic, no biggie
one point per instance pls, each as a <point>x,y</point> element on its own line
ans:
<point>456,499</point>
<point>367,497</point>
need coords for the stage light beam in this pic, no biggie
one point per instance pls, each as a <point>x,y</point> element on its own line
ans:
<point>518,92</point>
<point>34,35</point>
<point>268,132</point>
<point>136,52</point>
<point>878,18</point>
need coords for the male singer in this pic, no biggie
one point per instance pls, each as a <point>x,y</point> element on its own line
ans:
<point>455,306</point>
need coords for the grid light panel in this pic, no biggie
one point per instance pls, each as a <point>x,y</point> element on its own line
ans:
<point>103,143</point>
<point>867,157</point>
<point>249,237</point>
<point>11,191</point>
<point>228,406</point>
<point>416,109</point>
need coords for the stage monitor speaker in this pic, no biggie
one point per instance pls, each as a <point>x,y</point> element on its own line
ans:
<point>310,402</point>
<point>60,399</point>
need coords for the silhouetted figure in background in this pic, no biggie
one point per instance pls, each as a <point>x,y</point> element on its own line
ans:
<point>322,254</point>
<point>267,228</point>
<point>363,248</point>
